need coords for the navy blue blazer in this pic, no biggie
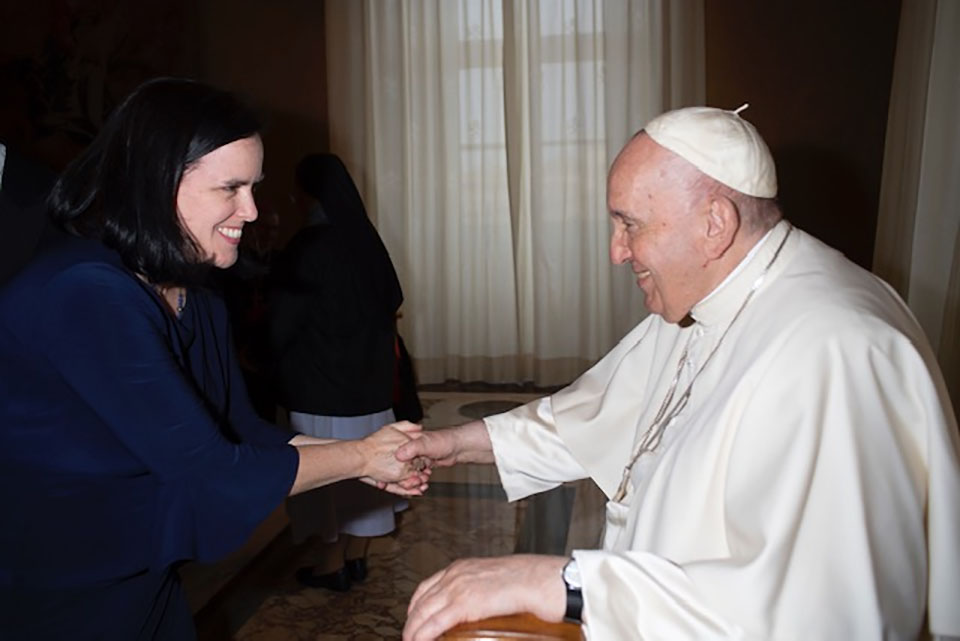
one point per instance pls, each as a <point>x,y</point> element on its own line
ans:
<point>127,442</point>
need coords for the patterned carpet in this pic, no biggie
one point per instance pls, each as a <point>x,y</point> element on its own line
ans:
<point>432,534</point>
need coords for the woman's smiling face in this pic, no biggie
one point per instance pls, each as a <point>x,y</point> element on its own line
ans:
<point>215,198</point>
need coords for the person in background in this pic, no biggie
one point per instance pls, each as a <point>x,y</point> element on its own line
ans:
<point>775,440</point>
<point>332,332</point>
<point>127,443</point>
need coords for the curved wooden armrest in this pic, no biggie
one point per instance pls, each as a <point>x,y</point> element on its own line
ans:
<point>516,627</point>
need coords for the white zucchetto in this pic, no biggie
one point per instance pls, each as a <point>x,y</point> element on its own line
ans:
<point>721,144</point>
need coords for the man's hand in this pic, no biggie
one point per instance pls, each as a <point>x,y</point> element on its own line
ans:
<point>468,443</point>
<point>439,447</point>
<point>474,589</point>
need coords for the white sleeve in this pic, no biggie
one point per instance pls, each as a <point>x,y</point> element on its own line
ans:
<point>529,454</point>
<point>638,595</point>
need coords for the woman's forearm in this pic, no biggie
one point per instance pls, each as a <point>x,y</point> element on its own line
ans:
<point>325,463</point>
<point>302,439</point>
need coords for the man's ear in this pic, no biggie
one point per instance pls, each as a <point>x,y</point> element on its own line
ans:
<point>722,224</point>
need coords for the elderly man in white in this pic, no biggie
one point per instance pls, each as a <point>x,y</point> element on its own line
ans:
<point>775,439</point>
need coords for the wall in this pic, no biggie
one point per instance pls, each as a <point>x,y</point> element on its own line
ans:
<point>273,52</point>
<point>817,75</point>
<point>64,65</point>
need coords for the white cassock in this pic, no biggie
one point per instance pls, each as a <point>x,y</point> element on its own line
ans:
<point>808,489</point>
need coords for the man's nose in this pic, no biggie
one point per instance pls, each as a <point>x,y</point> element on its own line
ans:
<point>619,251</point>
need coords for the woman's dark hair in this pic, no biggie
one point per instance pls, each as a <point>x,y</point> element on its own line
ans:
<point>123,188</point>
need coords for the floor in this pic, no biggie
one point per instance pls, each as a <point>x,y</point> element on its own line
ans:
<point>254,597</point>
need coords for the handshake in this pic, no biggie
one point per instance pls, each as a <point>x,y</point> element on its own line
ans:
<point>400,458</point>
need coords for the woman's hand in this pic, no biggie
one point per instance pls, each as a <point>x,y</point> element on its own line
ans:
<point>381,467</point>
<point>414,485</point>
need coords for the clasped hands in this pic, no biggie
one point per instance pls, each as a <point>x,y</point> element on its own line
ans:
<point>384,470</point>
<point>400,457</point>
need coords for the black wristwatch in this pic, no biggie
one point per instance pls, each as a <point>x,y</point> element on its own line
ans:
<point>571,578</point>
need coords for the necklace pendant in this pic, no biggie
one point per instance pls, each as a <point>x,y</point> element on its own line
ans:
<point>181,301</point>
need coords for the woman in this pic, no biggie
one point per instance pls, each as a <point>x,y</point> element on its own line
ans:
<point>332,331</point>
<point>127,443</point>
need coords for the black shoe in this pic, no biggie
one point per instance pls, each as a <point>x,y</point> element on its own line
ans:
<point>357,569</point>
<point>338,581</point>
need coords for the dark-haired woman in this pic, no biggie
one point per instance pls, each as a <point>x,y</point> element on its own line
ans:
<point>127,443</point>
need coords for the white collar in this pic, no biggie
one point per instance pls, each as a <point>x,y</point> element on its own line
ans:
<point>738,268</point>
<point>726,298</point>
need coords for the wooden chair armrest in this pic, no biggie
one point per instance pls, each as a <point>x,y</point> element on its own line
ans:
<point>516,627</point>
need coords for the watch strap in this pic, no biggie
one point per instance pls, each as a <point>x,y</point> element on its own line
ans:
<point>574,610</point>
<point>571,580</point>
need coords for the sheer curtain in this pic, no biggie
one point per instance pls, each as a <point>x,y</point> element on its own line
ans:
<point>479,133</point>
<point>918,230</point>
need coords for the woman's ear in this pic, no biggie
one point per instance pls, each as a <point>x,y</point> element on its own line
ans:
<point>722,224</point>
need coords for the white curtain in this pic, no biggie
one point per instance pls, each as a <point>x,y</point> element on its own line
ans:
<point>479,133</point>
<point>918,231</point>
